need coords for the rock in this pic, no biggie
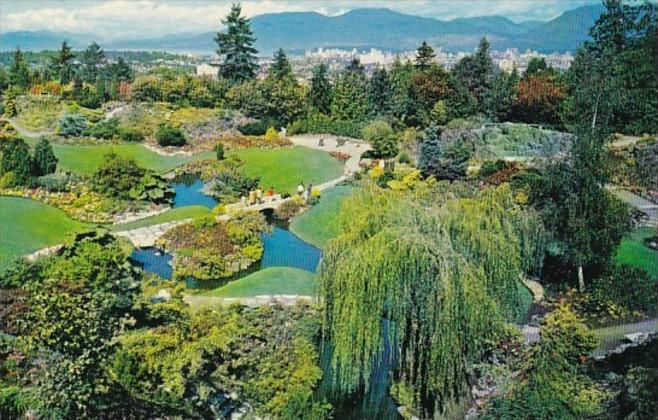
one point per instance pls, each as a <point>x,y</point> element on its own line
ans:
<point>162,296</point>
<point>636,338</point>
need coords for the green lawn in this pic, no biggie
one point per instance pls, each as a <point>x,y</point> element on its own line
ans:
<point>180,213</point>
<point>320,224</point>
<point>27,226</point>
<point>284,168</point>
<point>632,251</point>
<point>85,160</point>
<point>270,281</point>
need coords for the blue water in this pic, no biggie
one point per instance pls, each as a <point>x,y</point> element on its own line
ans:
<point>189,193</point>
<point>154,261</point>
<point>283,249</point>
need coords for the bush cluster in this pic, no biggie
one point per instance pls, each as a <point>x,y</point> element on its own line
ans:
<point>169,135</point>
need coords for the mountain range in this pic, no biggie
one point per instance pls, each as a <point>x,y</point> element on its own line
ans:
<point>360,28</point>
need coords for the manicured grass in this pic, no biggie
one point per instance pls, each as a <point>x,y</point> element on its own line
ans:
<point>180,213</point>
<point>284,168</point>
<point>270,281</point>
<point>632,251</point>
<point>27,226</point>
<point>84,160</point>
<point>320,224</point>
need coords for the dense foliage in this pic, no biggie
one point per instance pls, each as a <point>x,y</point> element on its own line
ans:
<point>420,264</point>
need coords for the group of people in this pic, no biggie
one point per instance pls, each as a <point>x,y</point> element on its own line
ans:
<point>257,196</point>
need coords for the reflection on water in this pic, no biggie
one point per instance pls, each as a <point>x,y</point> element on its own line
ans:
<point>189,192</point>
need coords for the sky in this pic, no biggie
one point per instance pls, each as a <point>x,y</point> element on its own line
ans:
<point>115,19</point>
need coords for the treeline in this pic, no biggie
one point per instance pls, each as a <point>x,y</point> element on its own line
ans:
<point>86,77</point>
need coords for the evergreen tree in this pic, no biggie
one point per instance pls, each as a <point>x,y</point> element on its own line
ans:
<point>536,66</point>
<point>430,151</point>
<point>15,157</point>
<point>19,73</point>
<point>476,72</point>
<point>321,90</point>
<point>500,100</point>
<point>93,58</point>
<point>424,57</point>
<point>62,64</point>
<point>350,96</point>
<point>236,47</point>
<point>281,67</point>
<point>120,71</point>
<point>44,159</point>
<point>400,77</point>
<point>442,161</point>
<point>379,92</point>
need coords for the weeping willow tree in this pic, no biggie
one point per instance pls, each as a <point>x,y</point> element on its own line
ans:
<point>443,275</point>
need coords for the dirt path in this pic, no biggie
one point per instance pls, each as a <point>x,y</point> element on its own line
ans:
<point>611,337</point>
<point>353,147</point>
<point>639,203</point>
<point>28,133</point>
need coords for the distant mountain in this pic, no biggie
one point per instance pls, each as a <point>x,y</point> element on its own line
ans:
<point>360,29</point>
<point>42,40</point>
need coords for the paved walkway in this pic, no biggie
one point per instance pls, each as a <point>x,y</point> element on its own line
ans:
<point>639,203</point>
<point>147,236</point>
<point>353,147</point>
<point>198,301</point>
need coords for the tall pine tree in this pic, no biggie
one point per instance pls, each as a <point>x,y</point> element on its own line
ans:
<point>321,90</point>
<point>62,64</point>
<point>235,46</point>
<point>424,56</point>
<point>93,58</point>
<point>19,73</point>
<point>281,67</point>
<point>379,92</point>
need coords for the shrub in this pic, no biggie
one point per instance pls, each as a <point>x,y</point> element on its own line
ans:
<point>288,209</point>
<point>116,176</point>
<point>271,134</point>
<point>168,135</point>
<point>404,158</point>
<point>44,160</point>
<point>15,157</point>
<point>219,151</point>
<point>257,128</point>
<point>54,182</point>
<point>383,139</point>
<point>105,129</point>
<point>626,288</point>
<point>8,180</point>
<point>72,125</point>
<point>490,167</point>
<point>131,135</point>
<point>320,123</point>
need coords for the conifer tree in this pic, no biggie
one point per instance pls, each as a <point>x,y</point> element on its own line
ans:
<point>44,159</point>
<point>321,90</point>
<point>19,73</point>
<point>424,57</point>
<point>281,67</point>
<point>379,92</point>
<point>93,58</point>
<point>62,64</point>
<point>235,46</point>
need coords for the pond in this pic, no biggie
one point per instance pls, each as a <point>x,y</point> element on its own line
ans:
<point>189,192</point>
<point>281,248</point>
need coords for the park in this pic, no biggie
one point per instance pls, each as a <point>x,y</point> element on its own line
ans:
<point>399,241</point>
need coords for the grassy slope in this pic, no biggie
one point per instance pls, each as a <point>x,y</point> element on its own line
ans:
<point>27,226</point>
<point>285,168</point>
<point>632,251</point>
<point>320,224</point>
<point>180,213</point>
<point>270,281</point>
<point>85,160</point>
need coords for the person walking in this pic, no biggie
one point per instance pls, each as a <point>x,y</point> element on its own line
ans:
<point>252,197</point>
<point>270,193</point>
<point>300,189</point>
<point>259,196</point>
